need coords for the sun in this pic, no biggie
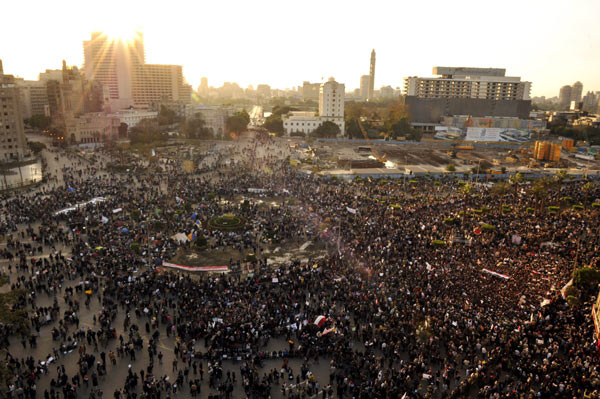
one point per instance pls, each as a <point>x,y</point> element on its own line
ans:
<point>121,32</point>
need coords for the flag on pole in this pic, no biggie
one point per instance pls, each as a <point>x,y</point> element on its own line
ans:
<point>197,223</point>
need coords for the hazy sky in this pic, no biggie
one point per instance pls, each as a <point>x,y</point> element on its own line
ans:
<point>283,43</point>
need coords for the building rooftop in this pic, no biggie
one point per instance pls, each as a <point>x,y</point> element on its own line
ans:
<point>468,71</point>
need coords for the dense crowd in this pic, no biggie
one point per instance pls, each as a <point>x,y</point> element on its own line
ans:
<point>408,307</point>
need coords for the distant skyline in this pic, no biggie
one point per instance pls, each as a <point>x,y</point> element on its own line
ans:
<point>550,43</point>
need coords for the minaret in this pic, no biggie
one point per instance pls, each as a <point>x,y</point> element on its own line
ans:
<point>371,93</point>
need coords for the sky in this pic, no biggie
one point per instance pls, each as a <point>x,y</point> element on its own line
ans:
<point>283,43</point>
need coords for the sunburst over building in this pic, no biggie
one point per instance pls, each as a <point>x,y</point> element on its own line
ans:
<point>120,65</point>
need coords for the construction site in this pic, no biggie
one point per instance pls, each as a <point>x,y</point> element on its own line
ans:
<point>363,157</point>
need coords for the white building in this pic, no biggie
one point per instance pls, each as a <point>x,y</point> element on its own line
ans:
<point>331,108</point>
<point>214,117</point>
<point>134,116</point>
<point>301,122</point>
<point>460,82</point>
<point>331,102</point>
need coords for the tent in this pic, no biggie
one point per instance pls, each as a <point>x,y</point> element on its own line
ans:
<point>124,230</point>
<point>180,237</point>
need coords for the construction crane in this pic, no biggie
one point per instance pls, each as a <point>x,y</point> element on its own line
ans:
<point>373,151</point>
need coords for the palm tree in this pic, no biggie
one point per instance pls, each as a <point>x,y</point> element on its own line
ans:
<point>466,190</point>
<point>515,180</point>
<point>540,190</point>
<point>500,189</point>
<point>586,188</point>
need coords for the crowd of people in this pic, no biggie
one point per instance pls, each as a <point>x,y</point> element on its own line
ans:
<point>410,298</point>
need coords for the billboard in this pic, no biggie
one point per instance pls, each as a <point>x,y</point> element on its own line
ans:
<point>497,134</point>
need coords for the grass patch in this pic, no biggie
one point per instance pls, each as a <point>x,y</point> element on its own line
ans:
<point>227,222</point>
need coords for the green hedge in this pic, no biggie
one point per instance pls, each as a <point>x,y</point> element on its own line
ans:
<point>553,208</point>
<point>412,182</point>
<point>227,223</point>
<point>478,211</point>
<point>449,220</point>
<point>578,207</point>
<point>487,227</point>
<point>485,209</point>
<point>567,199</point>
<point>250,257</point>
<point>530,210</point>
<point>438,243</point>
<point>506,209</point>
<point>596,205</point>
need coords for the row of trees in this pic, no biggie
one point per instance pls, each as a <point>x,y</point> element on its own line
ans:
<point>589,133</point>
<point>388,121</point>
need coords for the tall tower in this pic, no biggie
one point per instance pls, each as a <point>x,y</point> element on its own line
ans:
<point>371,94</point>
<point>576,91</point>
<point>113,63</point>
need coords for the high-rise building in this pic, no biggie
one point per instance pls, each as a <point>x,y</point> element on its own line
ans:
<point>121,67</point>
<point>564,96</point>
<point>12,132</point>
<point>51,74</point>
<point>153,83</point>
<point>480,83</point>
<point>331,102</point>
<point>466,91</point>
<point>387,92</point>
<point>263,91</point>
<point>310,91</point>
<point>34,97</point>
<point>576,91</point>
<point>364,87</point>
<point>371,94</point>
<point>112,62</point>
<point>590,102</point>
<point>203,89</point>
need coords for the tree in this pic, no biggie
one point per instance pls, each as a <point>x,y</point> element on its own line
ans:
<point>195,128</point>
<point>540,190</point>
<point>123,128</point>
<point>166,116</point>
<point>41,122</point>
<point>244,115</point>
<point>586,188</point>
<point>560,176</point>
<point>146,131</point>
<point>327,129</point>
<point>274,124</point>
<point>36,146</point>
<point>500,189</point>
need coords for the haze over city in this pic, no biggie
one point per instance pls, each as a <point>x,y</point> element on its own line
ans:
<point>549,43</point>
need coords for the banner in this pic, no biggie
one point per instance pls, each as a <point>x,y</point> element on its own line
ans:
<point>352,211</point>
<point>504,276</point>
<point>197,268</point>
